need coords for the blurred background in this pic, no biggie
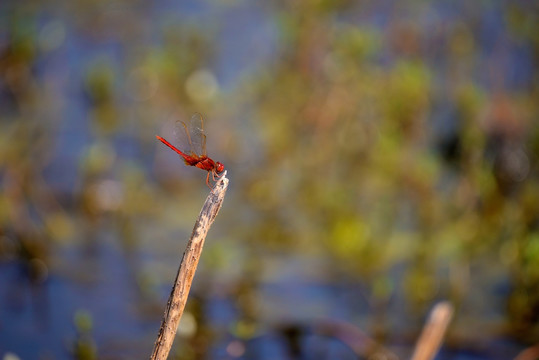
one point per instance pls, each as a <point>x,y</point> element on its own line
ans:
<point>382,156</point>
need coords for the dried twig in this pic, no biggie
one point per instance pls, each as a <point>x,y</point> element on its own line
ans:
<point>431,338</point>
<point>531,353</point>
<point>186,272</point>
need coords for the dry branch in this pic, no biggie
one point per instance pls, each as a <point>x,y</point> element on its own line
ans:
<point>431,337</point>
<point>531,353</point>
<point>186,272</point>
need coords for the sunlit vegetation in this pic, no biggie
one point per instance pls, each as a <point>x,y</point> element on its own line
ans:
<point>381,158</point>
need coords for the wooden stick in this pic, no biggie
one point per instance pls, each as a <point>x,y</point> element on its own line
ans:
<point>186,272</point>
<point>431,337</point>
<point>530,353</point>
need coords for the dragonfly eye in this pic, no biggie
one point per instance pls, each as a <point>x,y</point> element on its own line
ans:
<point>219,167</point>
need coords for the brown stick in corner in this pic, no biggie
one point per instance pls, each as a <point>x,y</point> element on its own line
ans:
<point>186,272</point>
<point>431,337</point>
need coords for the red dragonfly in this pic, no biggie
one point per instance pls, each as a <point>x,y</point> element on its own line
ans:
<point>193,147</point>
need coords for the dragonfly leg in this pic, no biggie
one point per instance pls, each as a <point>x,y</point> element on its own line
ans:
<point>216,177</point>
<point>208,180</point>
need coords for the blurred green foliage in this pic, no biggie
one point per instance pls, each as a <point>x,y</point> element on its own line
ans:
<point>400,155</point>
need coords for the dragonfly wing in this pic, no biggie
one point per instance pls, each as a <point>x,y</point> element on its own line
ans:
<point>190,136</point>
<point>198,137</point>
<point>183,137</point>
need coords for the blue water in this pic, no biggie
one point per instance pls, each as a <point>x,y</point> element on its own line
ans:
<point>102,277</point>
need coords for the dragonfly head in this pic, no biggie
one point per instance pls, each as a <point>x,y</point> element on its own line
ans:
<point>219,167</point>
